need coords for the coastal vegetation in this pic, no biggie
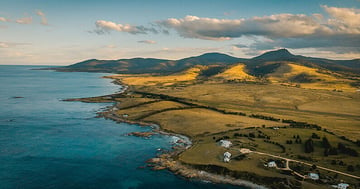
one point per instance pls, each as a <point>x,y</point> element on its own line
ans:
<point>306,119</point>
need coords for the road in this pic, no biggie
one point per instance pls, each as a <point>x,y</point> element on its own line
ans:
<point>305,163</point>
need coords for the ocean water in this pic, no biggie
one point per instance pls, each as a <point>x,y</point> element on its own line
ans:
<point>49,143</point>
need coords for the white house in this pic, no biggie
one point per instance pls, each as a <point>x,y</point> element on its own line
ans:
<point>225,143</point>
<point>313,176</point>
<point>341,186</point>
<point>271,164</point>
<point>227,156</point>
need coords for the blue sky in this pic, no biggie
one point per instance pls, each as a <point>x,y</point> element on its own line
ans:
<point>64,32</point>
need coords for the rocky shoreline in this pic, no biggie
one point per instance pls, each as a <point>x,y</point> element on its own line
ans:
<point>166,160</point>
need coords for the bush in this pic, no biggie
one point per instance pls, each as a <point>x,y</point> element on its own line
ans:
<point>351,168</point>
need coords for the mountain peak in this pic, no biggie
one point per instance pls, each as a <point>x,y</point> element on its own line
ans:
<point>277,54</point>
<point>214,55</point>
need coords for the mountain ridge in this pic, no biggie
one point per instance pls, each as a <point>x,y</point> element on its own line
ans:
<point>165,66</point>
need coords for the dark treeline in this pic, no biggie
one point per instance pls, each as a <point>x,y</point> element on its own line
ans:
<point>264,117</point>
<point>298,124</point>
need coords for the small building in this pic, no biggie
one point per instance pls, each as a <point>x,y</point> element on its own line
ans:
<point>125,115</point>
<point>341,186</point>
<point>225,143</point>
<point>313,176</point>
<point>227,156</point>
<point>271,164</point>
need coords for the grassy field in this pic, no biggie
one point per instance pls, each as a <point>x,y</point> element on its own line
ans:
<point>192,122</point>
<point>208,110</point>
<point>336,111</point>
<point>207,151</point>
<point>136,112</point>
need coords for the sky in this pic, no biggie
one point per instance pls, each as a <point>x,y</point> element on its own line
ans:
<point>53,32</point>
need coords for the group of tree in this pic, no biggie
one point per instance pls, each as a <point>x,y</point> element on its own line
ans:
<point>264,117</point>
<point>328,149</point>
<point>298,124</point>
<point>297,139</point>
<point>346,150</point>
<point>315,136</point>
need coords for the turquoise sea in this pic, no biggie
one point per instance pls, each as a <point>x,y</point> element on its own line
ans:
<point>49,143</point>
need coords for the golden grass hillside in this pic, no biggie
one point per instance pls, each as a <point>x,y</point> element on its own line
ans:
<point>146,80</point>
<point>236,72</point>
<point>310,78</point>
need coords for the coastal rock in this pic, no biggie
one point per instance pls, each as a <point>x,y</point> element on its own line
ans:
<point>15,97</point>
<point>141,134</point>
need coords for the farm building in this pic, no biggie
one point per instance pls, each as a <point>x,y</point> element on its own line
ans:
<point>227,156</point>
<point>225,143</point>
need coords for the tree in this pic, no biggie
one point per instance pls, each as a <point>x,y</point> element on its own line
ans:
<point>341,147</point>
<point>326,152</point>
<point>325,143</point>
<point>333,151</point>
<point>313,167</point>
<point>351,168</point>
<point>315,136</point>
<point>309,146</point>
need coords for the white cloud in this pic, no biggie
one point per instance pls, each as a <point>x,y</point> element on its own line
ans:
<point>44,20</point>
<point>11,44</point>
<point>147,41</point>
<point>4,45</point>
<point>336,30</point>
<point>107,26</point>
<point>3,19</point>
<point>348,16</point>
<point>24,20</point>
<point>342,21</point>
<point>281,25</point>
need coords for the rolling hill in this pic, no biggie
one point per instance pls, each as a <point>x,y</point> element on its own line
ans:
<point>278,67</point>
<point>257,66</point>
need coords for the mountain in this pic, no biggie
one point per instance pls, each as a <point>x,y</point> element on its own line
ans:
<point>149,65</point>
<point>275,55</point>
<point>258,66</point>
<point>269,61</point>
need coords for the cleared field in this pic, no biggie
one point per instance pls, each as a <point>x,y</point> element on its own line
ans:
<point>337,111</point>
<point>212,154</point>
<point>207,151</point>
<point>129,102</point>
<point>349,107</point>
<point>192,122</point>
<point>145,109</point>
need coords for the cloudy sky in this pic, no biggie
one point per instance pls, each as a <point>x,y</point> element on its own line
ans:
<point>55,32</point>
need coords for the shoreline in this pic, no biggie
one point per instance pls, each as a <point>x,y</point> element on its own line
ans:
<point>166,160</point>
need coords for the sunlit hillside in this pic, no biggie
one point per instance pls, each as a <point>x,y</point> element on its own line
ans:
<point>236,72</point>
<point>307,77</point>
<point>146,79</point>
